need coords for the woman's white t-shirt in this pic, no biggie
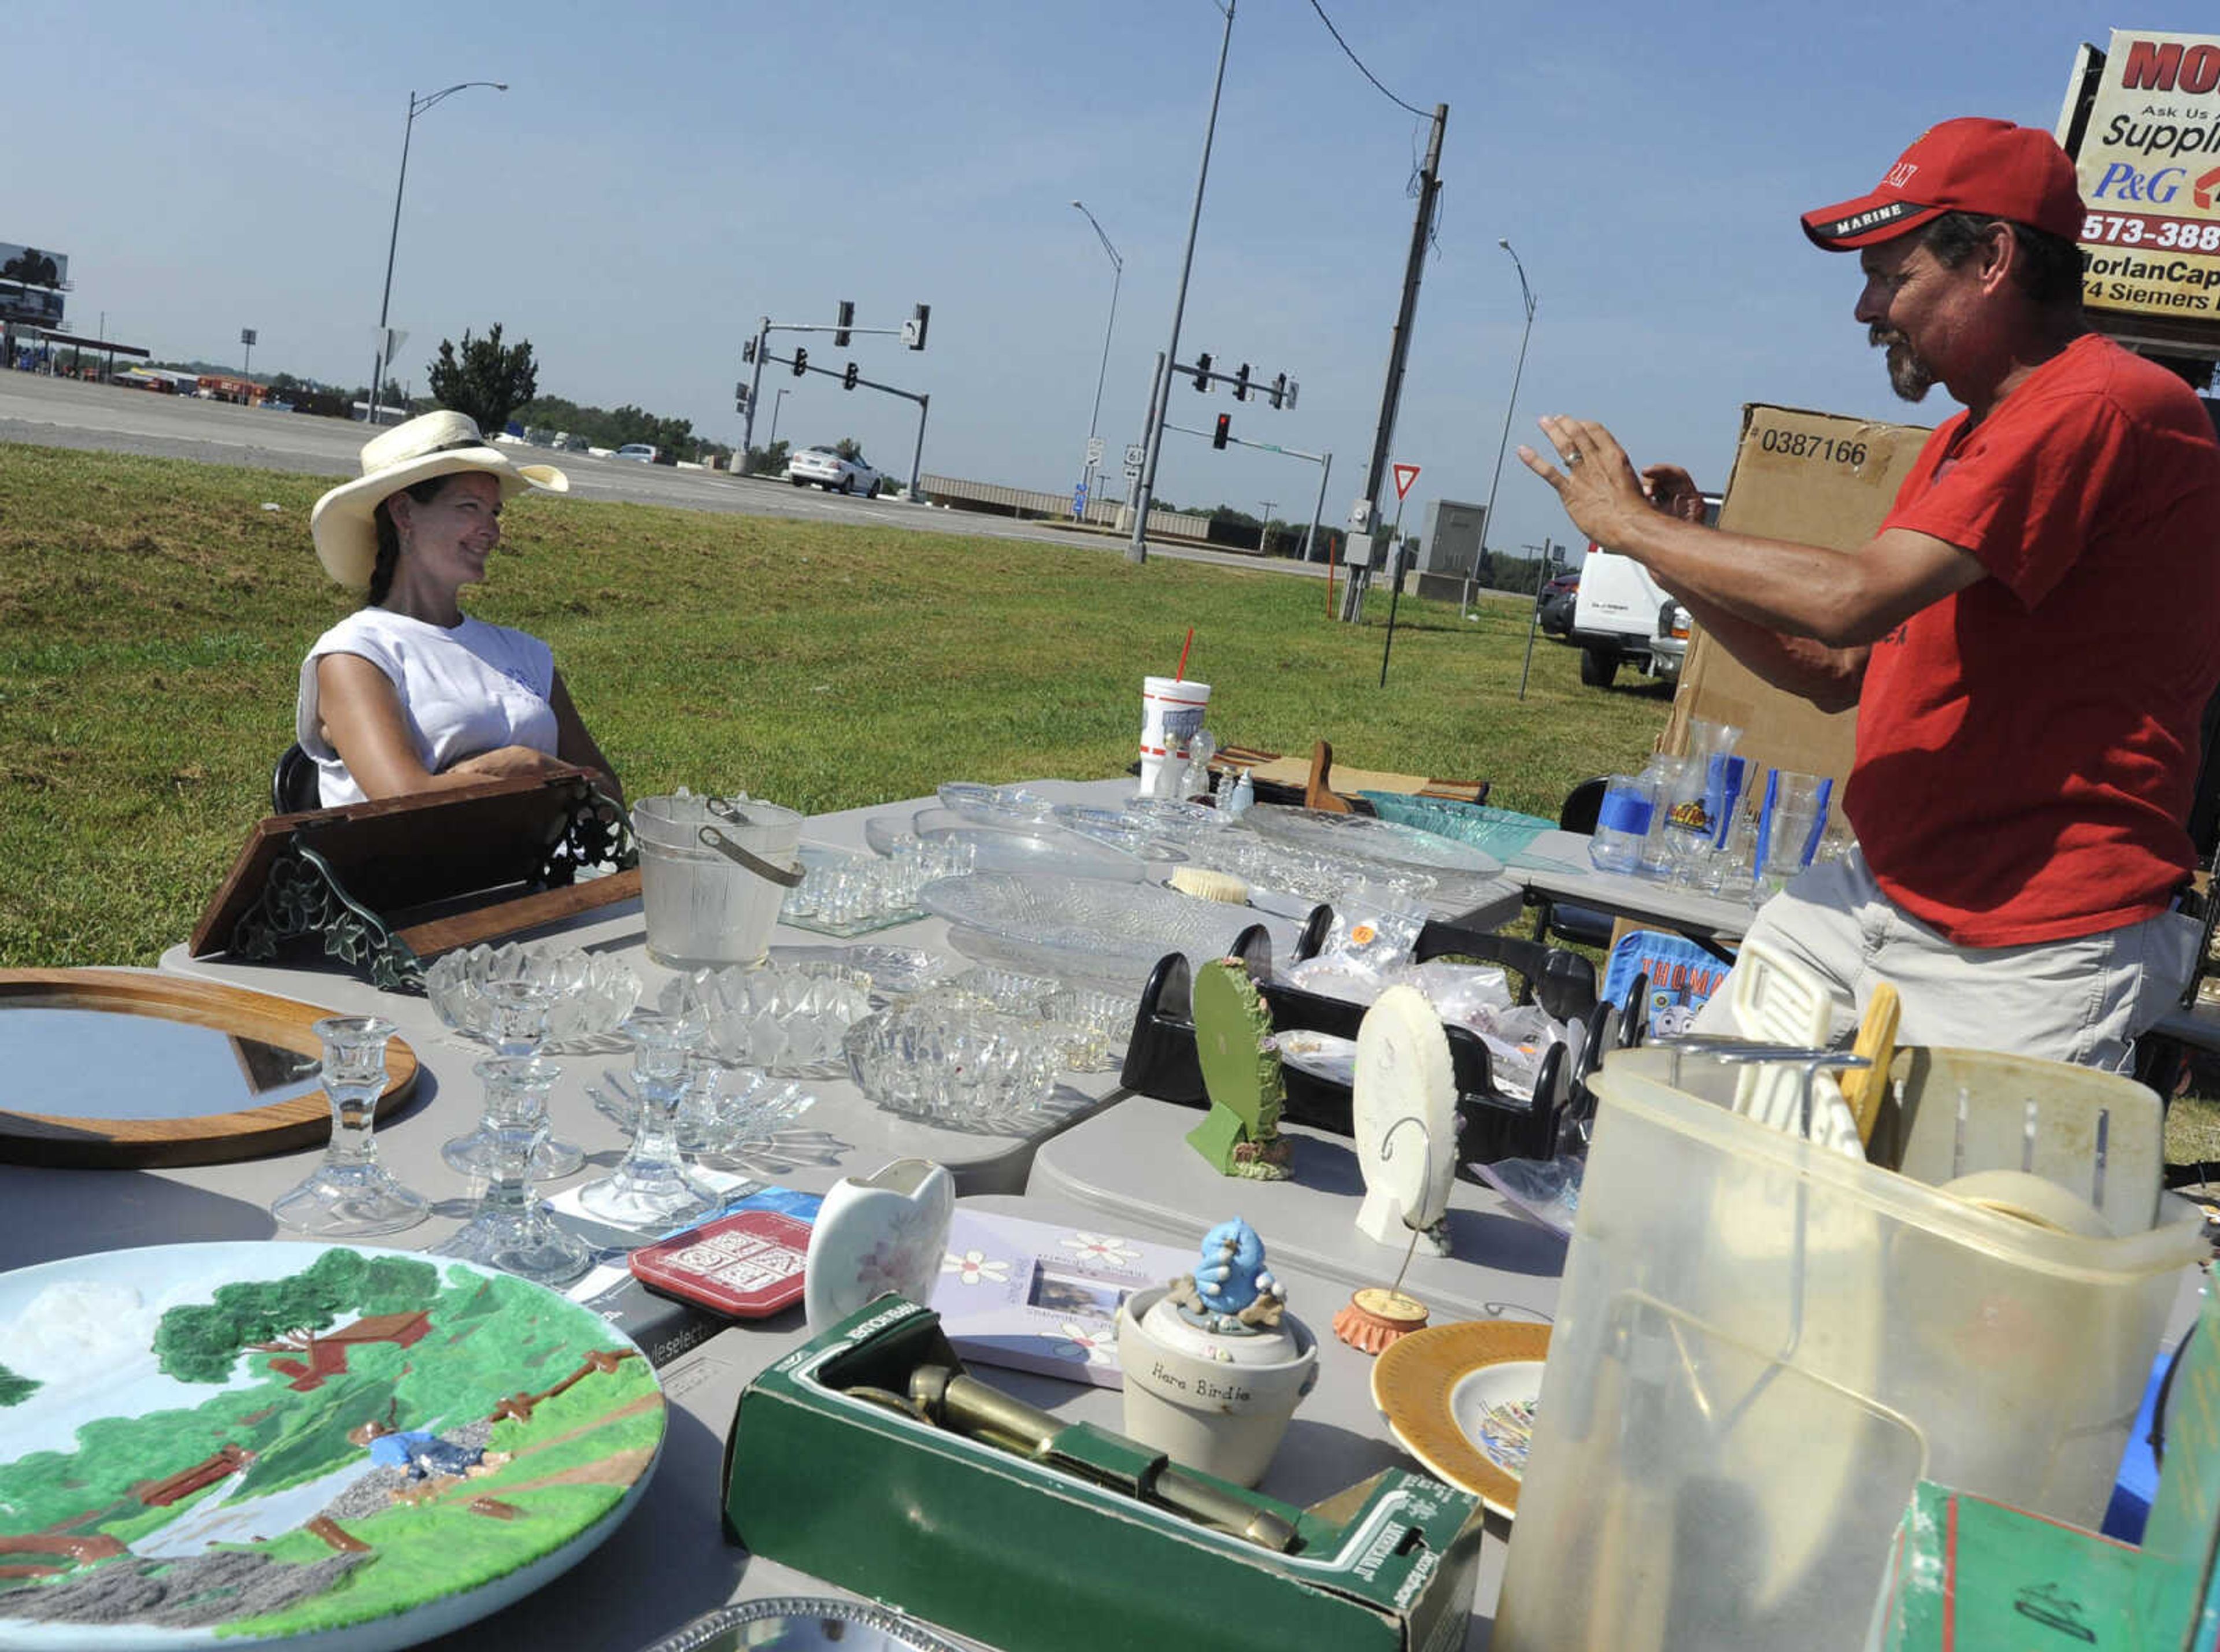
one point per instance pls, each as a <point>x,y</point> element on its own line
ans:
<point>462,691</point>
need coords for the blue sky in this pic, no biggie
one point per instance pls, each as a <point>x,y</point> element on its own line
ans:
<point>659,175</point>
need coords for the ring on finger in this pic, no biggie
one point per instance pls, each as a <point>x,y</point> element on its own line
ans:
<point>1572,459</point>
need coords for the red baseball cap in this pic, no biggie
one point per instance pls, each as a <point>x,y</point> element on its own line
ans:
<point>1990,167</point>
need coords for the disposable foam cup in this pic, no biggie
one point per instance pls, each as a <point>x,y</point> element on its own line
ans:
<point>1171,711</point>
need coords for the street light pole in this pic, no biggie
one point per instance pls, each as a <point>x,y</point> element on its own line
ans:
<point>1488,522</point>
<point>416,107</point>
<point>1152,432</point>
<point>1117,275</point>
<point>777,403</point>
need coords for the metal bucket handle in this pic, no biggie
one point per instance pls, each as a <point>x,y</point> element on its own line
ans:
<point>785,877</point>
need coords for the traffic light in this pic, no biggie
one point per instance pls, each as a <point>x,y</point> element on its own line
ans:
<point>1279,389</point>
<point>1202,371</point>
<point>748,351</point>
<point>848,378</point>
<point>1224,430</point>
<point>1241,383</point>
<point>913,328</point>
<point>847,315</point>
<point>740,396</point>
<point>1292,388</point>
<point>800,361</point>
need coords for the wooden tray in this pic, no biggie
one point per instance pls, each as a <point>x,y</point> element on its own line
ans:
<point>27,1137</point>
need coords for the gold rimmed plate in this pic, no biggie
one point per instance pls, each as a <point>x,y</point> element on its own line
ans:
<point>1460,1399</point>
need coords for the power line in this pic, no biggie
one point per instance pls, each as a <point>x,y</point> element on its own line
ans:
<point>1359,62</point>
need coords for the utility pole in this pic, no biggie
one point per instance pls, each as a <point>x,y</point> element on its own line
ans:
<point>1398,350</point>
<point>1152,432</point>
<point>1264,531</point>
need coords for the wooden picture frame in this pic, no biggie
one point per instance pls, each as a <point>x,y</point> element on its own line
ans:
<point>30,1138</point>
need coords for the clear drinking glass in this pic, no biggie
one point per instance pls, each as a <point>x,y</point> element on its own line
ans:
<point>351,1195</point>
<point>651,1189</point>
<point>510,1230</point>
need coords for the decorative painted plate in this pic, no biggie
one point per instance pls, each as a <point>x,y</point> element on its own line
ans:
<point>1460,1399</point>
<point>326,1446</point>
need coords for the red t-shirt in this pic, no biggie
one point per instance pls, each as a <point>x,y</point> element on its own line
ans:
<point>2027,748</point>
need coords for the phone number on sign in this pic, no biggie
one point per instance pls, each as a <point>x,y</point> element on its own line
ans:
<point>2164,235</point>
<point>1797,444</point>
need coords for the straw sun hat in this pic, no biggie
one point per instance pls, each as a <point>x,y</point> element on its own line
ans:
<point>433,444</point>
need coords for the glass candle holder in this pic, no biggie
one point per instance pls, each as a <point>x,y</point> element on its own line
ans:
<point>351,1195</point>
<point>516,1025</point>
<point>516,1087</point>
<point>510,1230</point>
<point>650,1189</point>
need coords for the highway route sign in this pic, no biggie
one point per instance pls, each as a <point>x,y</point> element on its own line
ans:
<point>1095,450</point>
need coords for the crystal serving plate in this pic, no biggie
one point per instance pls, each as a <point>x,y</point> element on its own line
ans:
<point>1368,837</point>
<point>592,992</point>
<point>1130,925</point>
<point>785,1018</point>
<point>1312,874</point>
<point>994,805</point>
<point>1033,849</point>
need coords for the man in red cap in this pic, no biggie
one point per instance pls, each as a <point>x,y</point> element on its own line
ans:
<point>2029,639</point>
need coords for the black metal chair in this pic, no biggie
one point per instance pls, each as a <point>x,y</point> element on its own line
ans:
<point>294,789</point>
<point>1584,925</point>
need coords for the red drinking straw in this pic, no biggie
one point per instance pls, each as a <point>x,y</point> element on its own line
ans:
<point>1179,675</point>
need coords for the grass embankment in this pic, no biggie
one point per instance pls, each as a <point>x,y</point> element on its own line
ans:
<point>153,614</point>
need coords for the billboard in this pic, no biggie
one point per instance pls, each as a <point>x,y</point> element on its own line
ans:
<point>2149,170</point>
<point>31,267</point>
<point>33,306</point>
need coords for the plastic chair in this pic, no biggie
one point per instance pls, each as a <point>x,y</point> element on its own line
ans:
<point>294,787</point>
<point>1584,925</point>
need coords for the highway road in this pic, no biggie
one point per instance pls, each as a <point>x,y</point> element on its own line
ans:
<point>66,412</point>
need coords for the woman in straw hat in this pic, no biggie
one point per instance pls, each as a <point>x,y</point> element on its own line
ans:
<point>409,693</point>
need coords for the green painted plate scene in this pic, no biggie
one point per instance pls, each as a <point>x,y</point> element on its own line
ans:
<point>326,1446</point>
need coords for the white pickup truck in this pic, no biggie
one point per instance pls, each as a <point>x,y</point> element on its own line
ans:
<point>1624,617</point>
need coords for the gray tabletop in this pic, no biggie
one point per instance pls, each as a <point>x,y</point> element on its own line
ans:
<point>1132,1166</point>
<point>668,1562</point>
<point>1556,864</point>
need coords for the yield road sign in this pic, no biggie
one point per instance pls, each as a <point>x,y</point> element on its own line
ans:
<point>1405,475</point>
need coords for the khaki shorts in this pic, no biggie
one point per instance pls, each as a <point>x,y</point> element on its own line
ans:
<point>2082,1000</point>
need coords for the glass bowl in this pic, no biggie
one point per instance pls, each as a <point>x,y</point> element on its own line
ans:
<point>785,1019</point>
<point>951,1060</point>
<point>591,992</point>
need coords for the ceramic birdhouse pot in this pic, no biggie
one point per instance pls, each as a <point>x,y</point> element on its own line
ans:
<point>875,1234</point>
<point>1214,1366</point>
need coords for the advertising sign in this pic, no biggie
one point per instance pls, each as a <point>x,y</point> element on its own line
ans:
<point>33,267</point>
<point>37,306</point>
<point>2149,165</point>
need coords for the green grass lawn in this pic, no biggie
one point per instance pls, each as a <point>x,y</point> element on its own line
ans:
<point>153,613</point>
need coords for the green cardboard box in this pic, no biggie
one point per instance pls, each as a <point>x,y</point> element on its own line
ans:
<point>1041,1554</point>
<point>1968,1573</point>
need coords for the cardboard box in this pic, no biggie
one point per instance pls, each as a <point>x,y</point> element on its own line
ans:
<point>1967,1572</point>
<point>1816,478</point>
<point>1062,1553</point>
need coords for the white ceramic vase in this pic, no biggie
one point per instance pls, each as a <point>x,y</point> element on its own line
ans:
<point>875,1234</point>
